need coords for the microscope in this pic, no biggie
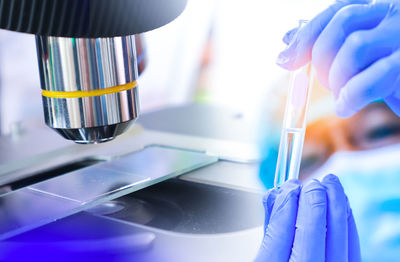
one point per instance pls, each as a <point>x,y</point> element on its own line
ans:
<point>87,59</point>
<point>166,189</point>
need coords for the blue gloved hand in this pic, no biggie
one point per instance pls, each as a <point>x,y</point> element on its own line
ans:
<point>354,46</point>
<point>310,223</point>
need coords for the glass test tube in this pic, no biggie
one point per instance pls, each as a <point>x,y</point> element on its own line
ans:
<point>294,125</point>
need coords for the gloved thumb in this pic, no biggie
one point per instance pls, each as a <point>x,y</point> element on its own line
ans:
<point>268,202</point>
<point>279,234</point>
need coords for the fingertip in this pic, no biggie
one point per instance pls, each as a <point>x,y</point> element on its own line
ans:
<point>287,192</point>
<point>282,60</point>
<point>342,108</point>
<point>314,184</point>
<point>287,57</point>
<point>330,178</point>
<point>288,37</point>
<point>334,189</point>
<point>332,181</point>
<point>314,193</point>
<point>343,111</point>
<point>269,197</point>
<point>272,191</point>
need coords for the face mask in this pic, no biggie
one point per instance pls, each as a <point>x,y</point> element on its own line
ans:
<point>371,180</point>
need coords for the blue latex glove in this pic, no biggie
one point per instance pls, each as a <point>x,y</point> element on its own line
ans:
<point>355,48</point>
<point>313,223</point>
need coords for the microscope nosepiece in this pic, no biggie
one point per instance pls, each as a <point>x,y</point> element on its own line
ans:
<point>90,93</point>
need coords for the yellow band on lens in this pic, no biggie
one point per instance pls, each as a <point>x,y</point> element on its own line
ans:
<point>96,92</point>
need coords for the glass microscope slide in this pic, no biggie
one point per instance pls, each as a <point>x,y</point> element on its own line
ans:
<point>47,201</point>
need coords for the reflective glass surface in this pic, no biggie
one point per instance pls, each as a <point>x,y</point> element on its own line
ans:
<point>70,193</point>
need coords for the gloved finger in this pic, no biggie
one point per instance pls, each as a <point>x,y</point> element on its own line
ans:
<point>287,38</point>
<point>377,81</point>
<point>363,48</point>
<point>268,202</point>
<point>309,240</point>
<point>298,53</point>
<point>337,228</point>
<point>393,101</point>
<point>354,241</point>
<point>346,21</point>
<point>278,238</point>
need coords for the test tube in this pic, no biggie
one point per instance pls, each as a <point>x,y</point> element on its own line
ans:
<point>294,125</point>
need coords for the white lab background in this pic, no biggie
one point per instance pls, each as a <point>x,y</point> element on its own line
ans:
<point>246,38</point>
